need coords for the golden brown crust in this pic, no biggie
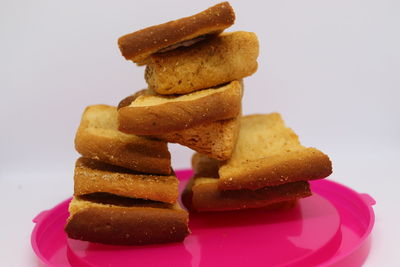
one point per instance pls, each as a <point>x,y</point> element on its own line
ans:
<point>127,225</point>
<point>276,158</point>
<point>202,192</point>
<point>138,45</point>
<point>216,139</point>
<point>92,176</point>
<point>217,60</point>
<point>205,196</point>
<point>174,115</point>
<point>98,138</point>
<point>129,99</point>
<point>301,165</point>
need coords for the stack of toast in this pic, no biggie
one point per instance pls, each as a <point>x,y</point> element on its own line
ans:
<point>194,74</point>
<point>125,189</point>
<point>268,166</point>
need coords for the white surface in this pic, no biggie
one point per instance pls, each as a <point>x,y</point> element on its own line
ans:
<point>330,67</point>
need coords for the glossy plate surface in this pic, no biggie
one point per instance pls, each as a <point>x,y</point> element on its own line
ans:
<point>329,228</point>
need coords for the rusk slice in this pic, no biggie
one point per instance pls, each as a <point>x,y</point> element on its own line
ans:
<point>138,45</point>
<point>92,176</point>
<point>153,114</point>
<point>217,60</point>
<point>268,153</point>
<point>216,139</point>
<point>122,221</point>
<point>202,192</point>
<point>98,138</point>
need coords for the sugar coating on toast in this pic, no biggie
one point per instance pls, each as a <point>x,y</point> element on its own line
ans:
<point>202,192</point>
<point>123,221</point>
<point>98,138</point>
<point>137,46</point>
<point>150,114</point>
<point>92,176</point>
<point>217,60</point>
<point>268,153</point>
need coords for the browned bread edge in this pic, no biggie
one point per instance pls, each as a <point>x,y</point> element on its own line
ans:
<point>207,197</point>
<point>119,225</point>
<point>93,176</point>
<point>306,164</point>
<point>217,60</point>
<point>149,156</point>
<point>180,115</point>
<point>138,45</point>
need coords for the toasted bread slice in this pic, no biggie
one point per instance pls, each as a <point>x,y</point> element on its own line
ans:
<point>93,176</point>
<point>268,153</point>
<point>216,139</point>
<point>152,114</point>
<point>114,220</point>
<point>98,138</point>
<point>202,192</point>
<point>137,46</point>
<point>217,60</point>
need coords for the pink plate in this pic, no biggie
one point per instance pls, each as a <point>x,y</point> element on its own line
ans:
<point>329,228</point>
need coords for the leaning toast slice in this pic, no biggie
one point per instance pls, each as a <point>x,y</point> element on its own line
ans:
<point>152,114</point>
<point>93,176</point>
<point>98,138</point>
<point>137,46</point>
<point>268,153</point>
<point>202,192</point>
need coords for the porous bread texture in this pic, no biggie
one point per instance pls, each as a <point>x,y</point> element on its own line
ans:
<point>137,46</point>
<point>268,153</point>
<point>126,224</point>
<point>216,139</point>
<point>92,176</point>
<point>217,60</point>
<point>202,192</point>
<point>152,114</point>
<point>98,138</point>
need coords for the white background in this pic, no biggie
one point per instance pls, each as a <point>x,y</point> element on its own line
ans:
<point>330,67</point>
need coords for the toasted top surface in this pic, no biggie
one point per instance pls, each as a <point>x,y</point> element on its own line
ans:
<point>269,153</point>
<point>150,98</point>
<point>263,135</point>
<point>138,45</point>
<point>98,138</point>
<point>217,60</point>
<point>147,97</point>
<point>112,201</point>
<point>151,114</point>
<point>93,176</point>
<point>103,120</point>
